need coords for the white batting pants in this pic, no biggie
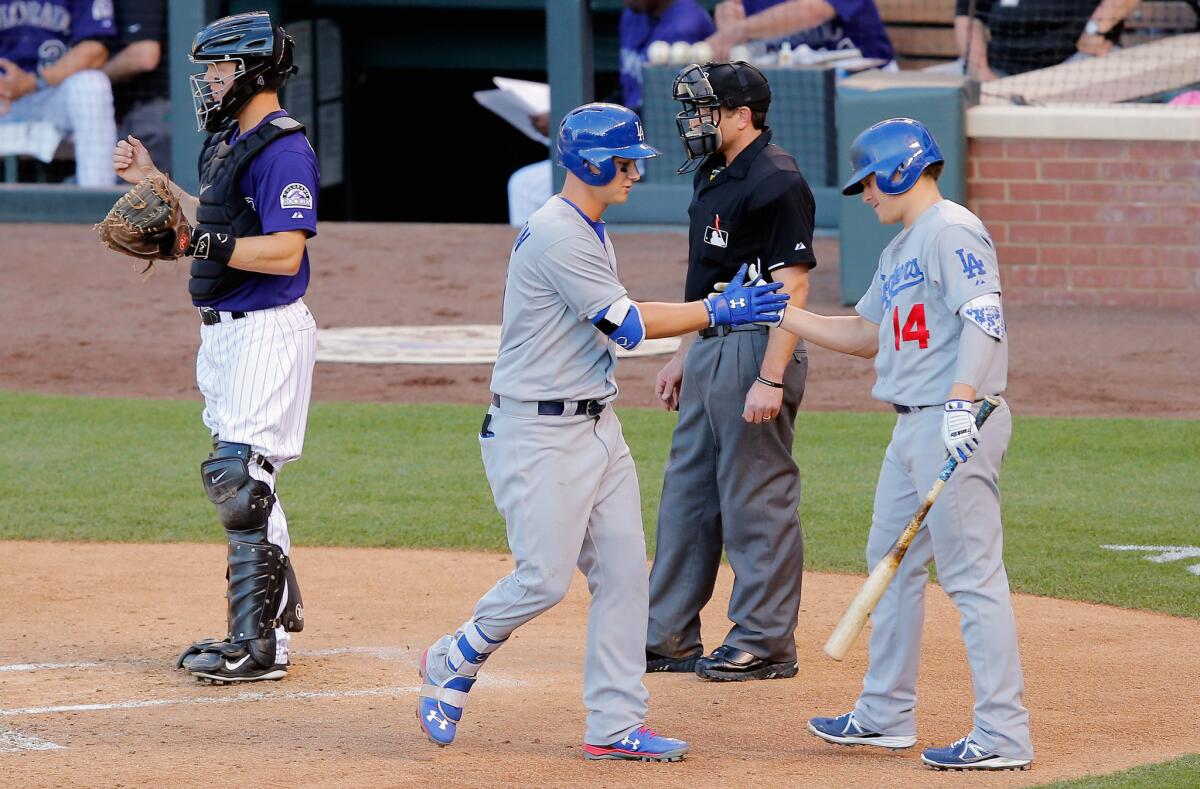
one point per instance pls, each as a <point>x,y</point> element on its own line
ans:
<point>256,377</point>
<point>82,105</point>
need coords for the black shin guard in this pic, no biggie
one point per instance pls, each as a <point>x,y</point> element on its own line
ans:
<point>257,570</point>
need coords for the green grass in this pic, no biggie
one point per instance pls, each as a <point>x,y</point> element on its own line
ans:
<point>1180,774</point>
<point>393,475</point>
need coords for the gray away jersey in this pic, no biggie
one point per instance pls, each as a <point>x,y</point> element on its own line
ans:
<point>560,275</point>
<point>925,275</point>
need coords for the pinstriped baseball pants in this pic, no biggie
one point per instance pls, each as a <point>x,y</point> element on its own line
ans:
<point>256,377</point>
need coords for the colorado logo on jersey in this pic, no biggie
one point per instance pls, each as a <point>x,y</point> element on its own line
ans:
<point>41,15</point>
<point>295,195</point>
<point>906,275</point>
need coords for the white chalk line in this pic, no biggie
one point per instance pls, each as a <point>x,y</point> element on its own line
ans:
<point>380,653</point>
<point>50,666</point>
<point>1165,553</point>
<point>235,699</point>
<point>14,741</point>
<point>491,680</point>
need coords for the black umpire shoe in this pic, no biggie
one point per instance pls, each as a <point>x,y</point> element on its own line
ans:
<point>656,662</point>
<point>729,664</point>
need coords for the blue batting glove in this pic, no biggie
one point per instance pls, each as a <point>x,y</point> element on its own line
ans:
<point>743,303</point>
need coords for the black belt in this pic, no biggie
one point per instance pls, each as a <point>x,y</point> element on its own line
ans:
<point>912,409</point>
<point>721,331</point>
<point>557,407</point>
<point>209,316</point>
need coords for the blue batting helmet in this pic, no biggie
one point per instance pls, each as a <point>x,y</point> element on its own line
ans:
<point>896,151</point>
<point>590,136</point>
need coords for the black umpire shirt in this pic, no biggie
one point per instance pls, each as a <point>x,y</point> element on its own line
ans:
<point>759,209</point>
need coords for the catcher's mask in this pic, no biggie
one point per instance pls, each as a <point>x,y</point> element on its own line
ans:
<point>262,52</point>
<point>703,90</point>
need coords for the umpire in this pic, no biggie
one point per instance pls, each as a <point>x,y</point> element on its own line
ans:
<point>731,481</point>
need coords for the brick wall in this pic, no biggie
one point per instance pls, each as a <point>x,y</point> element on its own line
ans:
<point>1091,221</point>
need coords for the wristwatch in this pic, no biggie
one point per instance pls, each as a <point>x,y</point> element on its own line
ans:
<point>1092,28</point>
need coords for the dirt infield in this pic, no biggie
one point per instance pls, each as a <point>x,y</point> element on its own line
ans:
<point>345,715</point>
<point>82,322</point>
<point>88,697</point>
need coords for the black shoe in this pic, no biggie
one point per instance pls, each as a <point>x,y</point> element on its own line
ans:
<point>727,663</point>
<point>656,662</point>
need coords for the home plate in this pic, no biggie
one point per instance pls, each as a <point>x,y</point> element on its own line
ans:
<point>12,741</point>
<point>459,344</point>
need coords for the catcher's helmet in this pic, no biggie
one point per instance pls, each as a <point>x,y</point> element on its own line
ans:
<point>264,56</point>
<point>896,151</point>
<point>591,135</point>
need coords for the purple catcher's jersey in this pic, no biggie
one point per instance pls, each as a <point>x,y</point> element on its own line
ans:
<point>685,20</point>
<point>35,33</point>
<point>281,185</point>
<point>857,24</point>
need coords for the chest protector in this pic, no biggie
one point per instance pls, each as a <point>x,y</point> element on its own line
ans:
<point>222,203</point>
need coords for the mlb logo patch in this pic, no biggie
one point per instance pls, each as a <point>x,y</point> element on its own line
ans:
<point>716,237</point>
<point>295,196</point>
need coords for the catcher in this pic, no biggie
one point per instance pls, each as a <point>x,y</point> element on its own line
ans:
<point>246,235</point>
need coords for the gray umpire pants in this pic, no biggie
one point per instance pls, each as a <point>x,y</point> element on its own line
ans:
<point>730,484</point>
<point>963,535</point>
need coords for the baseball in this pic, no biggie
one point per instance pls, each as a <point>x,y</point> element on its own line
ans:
<point>658,53</point>
<point>739,52</point>
<point>702,52</point>
<point>679,52</point>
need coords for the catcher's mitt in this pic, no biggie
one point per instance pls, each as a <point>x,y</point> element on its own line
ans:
<point>147,222</point>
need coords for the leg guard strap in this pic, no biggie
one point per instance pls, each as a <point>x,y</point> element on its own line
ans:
<point>456,698</point>
<point>469,649</point>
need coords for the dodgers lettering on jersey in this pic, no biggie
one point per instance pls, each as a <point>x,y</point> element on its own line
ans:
<point>560,275</point>
<point>684,20</point>
<point>36,33</point>
<point>925,277</point>
<point>281,185</point>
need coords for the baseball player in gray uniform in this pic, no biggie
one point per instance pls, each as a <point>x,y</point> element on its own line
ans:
<point>560,470</point>
<point>933,322</point>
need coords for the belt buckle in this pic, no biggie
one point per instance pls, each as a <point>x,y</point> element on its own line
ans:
<point>594,407</point>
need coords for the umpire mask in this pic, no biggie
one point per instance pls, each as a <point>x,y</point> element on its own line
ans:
<point>697,121</point>
<point>703,90</point>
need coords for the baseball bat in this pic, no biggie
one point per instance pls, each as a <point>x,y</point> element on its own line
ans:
<point>855,618</point>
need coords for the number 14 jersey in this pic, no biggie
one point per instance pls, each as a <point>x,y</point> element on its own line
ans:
<point>926,275</point>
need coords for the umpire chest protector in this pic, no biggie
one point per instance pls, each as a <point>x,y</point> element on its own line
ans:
<point>222,203</point>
